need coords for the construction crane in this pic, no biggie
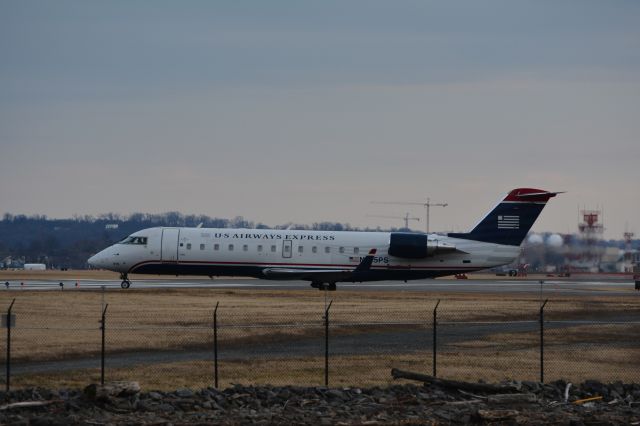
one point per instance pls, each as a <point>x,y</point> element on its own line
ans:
<point>426,206</point>
<point>406,218</point>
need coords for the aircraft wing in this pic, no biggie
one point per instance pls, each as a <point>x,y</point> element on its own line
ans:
<point>321,275</point>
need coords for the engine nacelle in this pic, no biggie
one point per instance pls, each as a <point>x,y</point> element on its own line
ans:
<point>416,246</point>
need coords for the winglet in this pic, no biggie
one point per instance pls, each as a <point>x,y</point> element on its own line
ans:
<point>365,265</point>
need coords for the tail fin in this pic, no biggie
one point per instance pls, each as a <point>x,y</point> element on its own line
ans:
<point>510,221</point>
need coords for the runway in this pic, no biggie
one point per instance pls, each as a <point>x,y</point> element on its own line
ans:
<point>521,286</point>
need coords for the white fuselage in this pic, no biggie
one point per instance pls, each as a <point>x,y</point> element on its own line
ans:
<point>328,257</point>
<point>248,252</point>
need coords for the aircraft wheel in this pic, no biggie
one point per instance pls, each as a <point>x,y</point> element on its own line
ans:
<point>332,287</point>
<point>125,284</point>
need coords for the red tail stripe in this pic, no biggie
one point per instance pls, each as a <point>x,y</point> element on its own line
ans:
<point>541,195</point>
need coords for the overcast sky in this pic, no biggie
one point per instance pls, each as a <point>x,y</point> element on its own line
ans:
<point>307,111</point>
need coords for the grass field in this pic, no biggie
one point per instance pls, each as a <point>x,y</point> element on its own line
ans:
<point>65,325</point>
<point>53,325</point>
<point>371,370</point>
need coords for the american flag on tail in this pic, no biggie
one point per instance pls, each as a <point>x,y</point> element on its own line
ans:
<point>508,222</point>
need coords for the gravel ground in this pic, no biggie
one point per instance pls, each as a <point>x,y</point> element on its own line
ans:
<point>530,403</point>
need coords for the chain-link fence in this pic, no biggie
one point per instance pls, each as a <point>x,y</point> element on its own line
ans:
<point>349,342</point>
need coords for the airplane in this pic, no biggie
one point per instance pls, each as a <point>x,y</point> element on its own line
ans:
<point>327,257</point>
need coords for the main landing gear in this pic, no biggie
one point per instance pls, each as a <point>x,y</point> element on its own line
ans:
<point>324,286</point>
<point>125,284</point>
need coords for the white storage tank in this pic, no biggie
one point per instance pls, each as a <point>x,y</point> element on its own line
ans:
<point>35,267</point>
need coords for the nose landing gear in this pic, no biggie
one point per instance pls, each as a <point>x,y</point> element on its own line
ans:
<point>125,284</point>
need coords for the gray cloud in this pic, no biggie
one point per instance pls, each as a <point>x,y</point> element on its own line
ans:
<point>290,111</point>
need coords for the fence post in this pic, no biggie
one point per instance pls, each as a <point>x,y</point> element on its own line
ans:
<point>103,326</point>
<point>215,345</point>
<point>542,341</point>
<point>8,362</point>
<point>435,338</point>
<point>326,344</point>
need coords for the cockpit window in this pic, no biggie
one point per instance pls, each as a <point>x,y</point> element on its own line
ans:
<point>135,240</point>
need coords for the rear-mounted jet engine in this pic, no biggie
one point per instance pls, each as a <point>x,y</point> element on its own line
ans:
<point>417,246</point>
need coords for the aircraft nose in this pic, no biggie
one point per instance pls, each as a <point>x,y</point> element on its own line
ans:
<point>97,260</point>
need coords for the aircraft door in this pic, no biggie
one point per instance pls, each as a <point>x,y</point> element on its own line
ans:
<point>287,248</point>
<point>170,244</point>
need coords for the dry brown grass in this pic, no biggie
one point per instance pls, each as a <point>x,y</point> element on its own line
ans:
<point>54,325</point>
<point>363,370</point>
<point>64,325</point>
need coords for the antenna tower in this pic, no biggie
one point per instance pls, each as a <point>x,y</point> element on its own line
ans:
<point>591,231</point>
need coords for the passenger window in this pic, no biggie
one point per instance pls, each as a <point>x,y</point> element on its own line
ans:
<point>341,249</point>
<point>216,247</point>
<point>230,247</point>
<point>356,250</point>
<point>201,246</point>
<point>273,249</point>
<point>327,249</point>
<point>314,249</point>
<point>287,249</point>
<point>245,247</point>
<point>300,249</point>
<point>259,248</point>
<point>188,246</point>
